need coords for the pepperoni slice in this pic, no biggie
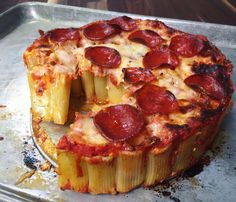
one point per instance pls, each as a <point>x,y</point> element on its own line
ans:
<point>153,99</point>
<point>56,35</point>
<point>207,85</point>
<point>186,45</point>
<point>62,35</point>
<point>124,22</point>
<point>155,59</point>
<point>100,31</point>
<point>137,75</point>
<point>146,37</point>
<point>119,122</point>
<point>103,56</point>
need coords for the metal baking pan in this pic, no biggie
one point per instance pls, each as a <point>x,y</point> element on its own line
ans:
<point>18,28</point>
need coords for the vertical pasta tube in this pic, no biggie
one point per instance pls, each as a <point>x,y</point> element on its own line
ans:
<point>158,165</point>
<point>76,87</point>
<point>184,154</point>
<point>100,84</point>
<point>115,93</point>
<point>206,137</point>
<point>88,85</point>
<point>130,170</point>
<point>200,143</point>
<point>72,172</point>
<point>60,99</point>
<point>101,175</point>
<point>31,59</point>
<point>40,103</point>
<point>215,129</point>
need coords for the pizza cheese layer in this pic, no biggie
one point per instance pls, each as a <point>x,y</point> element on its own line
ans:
<point>171,83</point>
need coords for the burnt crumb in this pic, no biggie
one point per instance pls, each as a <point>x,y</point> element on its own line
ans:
<point>30,160</point>
<point>1,138</point>
<point>174,199</point>
<point>162,186</point>
<point>197,168</point>
<point>216,150</point>
<point>219,144</point>
<point>166,188</point>
<point>166,193</point>
<point>3,106</point>
<point>29,156</point>
<point>46,166</point>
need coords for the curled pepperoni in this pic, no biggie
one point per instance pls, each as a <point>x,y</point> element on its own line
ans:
<point>56,35</point>
<point>119,122</point>
<point>103,56</point>
<point>153,99</point>
<point>146,37</point>
<point>207,85</point>
<point>210,50</point>
<point>100,31</point>
<point>155,59</point>
<point>124,22</point>
<point>135,75</point>
<point>62,35</point>
<point>186,45</point>
<point>219,72</point>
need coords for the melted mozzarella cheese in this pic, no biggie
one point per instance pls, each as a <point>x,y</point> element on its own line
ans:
<point>131,56</point>
<point>155,127</point>
<point>180,119</point>
<point>88,132</point>
<point>171,81</point>
<point>66,59</point>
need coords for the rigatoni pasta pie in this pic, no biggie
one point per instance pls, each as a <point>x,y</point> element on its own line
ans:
<point>156,98</point>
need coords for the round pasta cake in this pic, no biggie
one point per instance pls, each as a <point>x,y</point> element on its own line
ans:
<point>153,98</point>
